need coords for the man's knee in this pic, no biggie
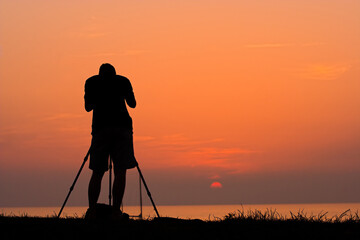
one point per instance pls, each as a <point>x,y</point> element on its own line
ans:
<point>97,174</point>
<point>120,172</point>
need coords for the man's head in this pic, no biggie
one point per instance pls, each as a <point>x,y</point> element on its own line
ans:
<point>107,70</point>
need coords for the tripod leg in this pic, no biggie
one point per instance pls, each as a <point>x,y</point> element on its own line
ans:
<point>147,190</point>
<point>76,178</point>
<point>140,193</point>
<point>110,181</point>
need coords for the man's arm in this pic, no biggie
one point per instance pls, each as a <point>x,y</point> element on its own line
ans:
<point>88,97</point>
<point>129,96</point>
<point>130,100</point>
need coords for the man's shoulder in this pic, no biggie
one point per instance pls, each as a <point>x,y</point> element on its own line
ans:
<point>124,82</point>
<point>122,78</point>
<point>92,79</point>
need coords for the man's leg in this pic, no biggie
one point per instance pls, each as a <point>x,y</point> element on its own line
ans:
<point>119,187</point>
<point>95,187</point>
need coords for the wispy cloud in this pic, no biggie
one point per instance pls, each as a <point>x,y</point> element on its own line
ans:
<point>312,44</point>
<point>143,138</point>
<point>180,139</point>
<point>268,45</point>
<point>281,45</point>
<point>180,151</point>
<point>179,142</point>
<point>324,71</point>
<point>92,32</point>
<point>126,53</point>
<point>61,116</point>
<point>133,52</point>
<point>214,177</point>
<point>229,159</point>
<point>221,151</point>
<point>104,54</point>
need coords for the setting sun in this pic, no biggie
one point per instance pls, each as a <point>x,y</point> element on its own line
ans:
<point>216,185</point>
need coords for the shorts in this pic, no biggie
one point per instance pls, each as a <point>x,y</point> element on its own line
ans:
<point>116,144</point>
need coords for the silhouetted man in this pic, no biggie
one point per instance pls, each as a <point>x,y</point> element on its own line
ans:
<point>105,95</point>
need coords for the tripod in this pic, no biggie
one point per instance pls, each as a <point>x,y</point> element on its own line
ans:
<point>141,179</point>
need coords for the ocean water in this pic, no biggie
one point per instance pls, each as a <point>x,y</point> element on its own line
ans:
<point>205,212</point>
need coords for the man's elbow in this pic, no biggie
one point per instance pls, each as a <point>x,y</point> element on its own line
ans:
<point>88,108</point>
<point>130,100</point>
<point>132,104</point>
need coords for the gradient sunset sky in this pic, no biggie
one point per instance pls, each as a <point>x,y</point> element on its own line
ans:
<point>238,101</point>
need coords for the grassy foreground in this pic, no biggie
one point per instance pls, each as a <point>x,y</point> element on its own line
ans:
<point>237,225</point>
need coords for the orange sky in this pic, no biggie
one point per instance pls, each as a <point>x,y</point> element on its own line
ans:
<point>224,88</point>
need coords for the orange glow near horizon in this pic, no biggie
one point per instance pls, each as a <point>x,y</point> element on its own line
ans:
<point>229,88</point>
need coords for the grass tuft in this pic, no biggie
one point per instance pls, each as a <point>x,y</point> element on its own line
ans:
<point>300,216</point>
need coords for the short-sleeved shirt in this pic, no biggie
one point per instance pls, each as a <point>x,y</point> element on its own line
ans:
<point>107,96</point>
<point>112,124</point>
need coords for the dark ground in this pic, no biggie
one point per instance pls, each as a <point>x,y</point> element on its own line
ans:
<point>169,228</point>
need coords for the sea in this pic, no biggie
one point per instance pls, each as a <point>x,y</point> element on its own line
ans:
<point>204,212</point>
